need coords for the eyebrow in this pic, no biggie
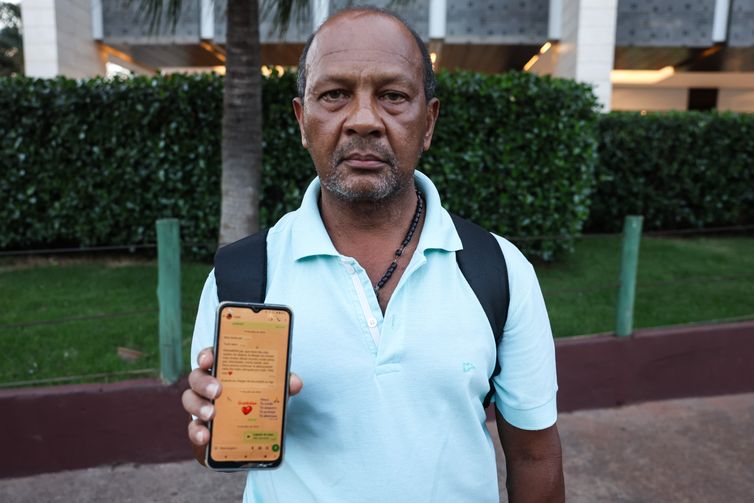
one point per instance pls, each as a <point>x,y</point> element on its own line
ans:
<point>381,81</point>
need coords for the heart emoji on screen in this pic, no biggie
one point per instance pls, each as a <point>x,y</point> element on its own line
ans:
<point>230,372</point>
<point>246,409</point>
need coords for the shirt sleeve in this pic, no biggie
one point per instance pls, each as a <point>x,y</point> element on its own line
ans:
<point>526,387</point>
<point>204,327</point>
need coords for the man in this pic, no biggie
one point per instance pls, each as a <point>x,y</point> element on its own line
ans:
<point>394,347</point>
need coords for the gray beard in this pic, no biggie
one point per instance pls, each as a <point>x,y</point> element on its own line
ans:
<point>386,188</point>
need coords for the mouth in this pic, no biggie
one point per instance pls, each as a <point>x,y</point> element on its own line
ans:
<point>364,160</point>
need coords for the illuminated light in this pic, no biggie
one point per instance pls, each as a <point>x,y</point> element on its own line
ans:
<point>214,49</point>
<point>531,62</point>
<point>266,70</point>
<point>643,112</point>
<point>112,51</point>
<point>711,50</point>
<point>280,70</point>
<point>545,48</point>
<point>433,59</point>
<point>220,70</point>
<point>641,76</point>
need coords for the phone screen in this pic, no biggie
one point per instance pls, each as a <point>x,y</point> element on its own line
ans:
<point>251,362</point>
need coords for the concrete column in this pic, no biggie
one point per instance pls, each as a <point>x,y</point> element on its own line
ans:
<point>320,12</point>
<point>721,20</point>
<point>438,19</point>
<point>40,38</point>
<point>587,44</point>
<point>58,39</point>
<point>207,20</point>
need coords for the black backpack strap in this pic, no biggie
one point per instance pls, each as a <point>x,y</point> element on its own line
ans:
<point>241,269</point>
<point>483,265</point>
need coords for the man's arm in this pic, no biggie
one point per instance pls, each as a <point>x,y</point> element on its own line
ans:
<point>533,462</point>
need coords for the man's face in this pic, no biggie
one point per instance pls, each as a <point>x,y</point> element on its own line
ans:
<point>364,118</point>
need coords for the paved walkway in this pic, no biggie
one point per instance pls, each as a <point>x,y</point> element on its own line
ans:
<point>673,451</point>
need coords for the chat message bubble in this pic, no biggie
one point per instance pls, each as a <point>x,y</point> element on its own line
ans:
<point>248,367</point>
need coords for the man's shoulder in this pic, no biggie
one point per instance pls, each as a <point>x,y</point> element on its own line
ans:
<point>521,274</point>
<point>514,258</point>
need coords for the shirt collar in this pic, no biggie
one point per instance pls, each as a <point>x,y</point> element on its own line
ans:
<point>310,237</point>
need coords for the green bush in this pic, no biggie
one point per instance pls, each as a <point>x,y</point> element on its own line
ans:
<point>97,162</point>
<point>515,153</point>
<point>679,170</point>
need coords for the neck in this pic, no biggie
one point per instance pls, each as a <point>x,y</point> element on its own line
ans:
<point>379,218</point>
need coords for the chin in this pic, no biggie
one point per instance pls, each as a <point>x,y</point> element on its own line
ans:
<point>361,193</point>
<point>347,187</point>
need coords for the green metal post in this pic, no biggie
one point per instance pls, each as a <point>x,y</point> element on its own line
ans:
<point>169,297</point>
<point>629,262</point>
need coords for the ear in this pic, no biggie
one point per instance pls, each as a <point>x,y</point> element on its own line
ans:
<point>433,110</point>
<point>298,109</point>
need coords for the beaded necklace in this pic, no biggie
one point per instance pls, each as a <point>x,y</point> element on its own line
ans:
<point>410,234</point>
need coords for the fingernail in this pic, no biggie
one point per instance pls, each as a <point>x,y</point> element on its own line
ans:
<point>212,390</point>
<point>206,411</point>
<point>201,436</point>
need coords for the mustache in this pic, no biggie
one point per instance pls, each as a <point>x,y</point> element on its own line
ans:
<point>364,146</point>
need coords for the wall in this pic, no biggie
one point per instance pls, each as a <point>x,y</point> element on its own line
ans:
<point>736,100</point>
<point>78,53</point>
<point>665,23</point>
<point>58,39</point>
<point>587,45</point>
<point>650,99</point>
<point>40,38</point>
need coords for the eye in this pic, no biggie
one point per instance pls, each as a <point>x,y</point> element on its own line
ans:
<point>333,95</point>
<point>394,97</point>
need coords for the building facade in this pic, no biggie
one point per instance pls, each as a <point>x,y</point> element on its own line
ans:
<point>648,55</point>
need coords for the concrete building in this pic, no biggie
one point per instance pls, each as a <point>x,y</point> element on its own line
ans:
<point>638,54</point>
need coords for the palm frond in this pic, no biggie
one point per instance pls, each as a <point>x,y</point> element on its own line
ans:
<point>10,16</point>
<point>153,10</point>
<point>282,11</point>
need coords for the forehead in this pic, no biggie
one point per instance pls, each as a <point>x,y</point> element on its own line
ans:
<point>364,40</point>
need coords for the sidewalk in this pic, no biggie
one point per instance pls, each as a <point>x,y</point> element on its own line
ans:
<point>686,450</point>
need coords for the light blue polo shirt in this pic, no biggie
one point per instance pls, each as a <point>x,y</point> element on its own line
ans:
<point>391,408</point>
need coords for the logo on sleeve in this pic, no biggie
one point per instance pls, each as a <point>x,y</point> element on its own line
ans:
<point>468,367</point>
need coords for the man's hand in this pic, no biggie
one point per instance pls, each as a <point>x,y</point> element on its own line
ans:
<point>533,461</point>
<point>197,400</point>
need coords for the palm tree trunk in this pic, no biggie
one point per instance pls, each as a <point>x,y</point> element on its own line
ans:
<point>242,123</point>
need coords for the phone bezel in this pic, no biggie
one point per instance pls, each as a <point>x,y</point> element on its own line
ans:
<point>245,465</point>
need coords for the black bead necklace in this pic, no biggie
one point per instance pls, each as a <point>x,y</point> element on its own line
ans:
<point>406,241</point>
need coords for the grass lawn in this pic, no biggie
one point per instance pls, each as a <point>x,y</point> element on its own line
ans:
<point>680,281</point>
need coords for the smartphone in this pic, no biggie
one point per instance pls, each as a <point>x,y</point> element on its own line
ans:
<point>252,360</point>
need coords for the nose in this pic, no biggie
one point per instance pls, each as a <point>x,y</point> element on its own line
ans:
<point>364,118</point>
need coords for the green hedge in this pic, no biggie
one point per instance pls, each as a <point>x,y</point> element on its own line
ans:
<point>679,170</point>
<point>516,153</point>
<point>96,162</point>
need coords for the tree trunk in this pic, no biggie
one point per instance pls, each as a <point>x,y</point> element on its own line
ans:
<point>242,123</point>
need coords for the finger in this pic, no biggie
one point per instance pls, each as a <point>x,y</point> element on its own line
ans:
<point>205,359</point>
<point>294,384</point>
<point>197,406</point>
<point>198,432</point>
<point>204,384</point>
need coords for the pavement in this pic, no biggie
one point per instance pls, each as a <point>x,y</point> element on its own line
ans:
<point>688,450</point>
